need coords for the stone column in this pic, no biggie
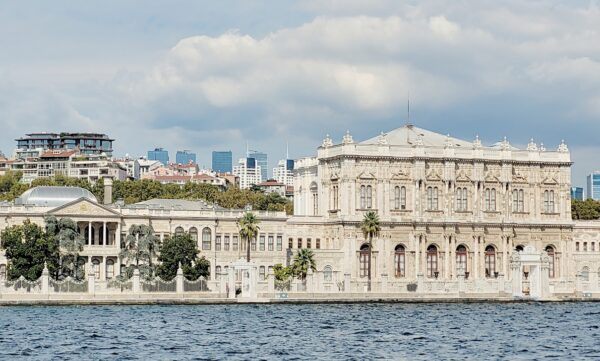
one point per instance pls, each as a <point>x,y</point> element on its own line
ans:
<point>104,233</point>
<point>231,282</point>
<point>475,257</point>
<point>90,240</point>
<point>135,281</point>
<point>453,257</point>
<point>384,283</point>
<point>447,239</point>
<point>504,255</point>
<point>179,279</point>
<point>347,283</point>
<point>310,281</point>
<point>102,268</point>
<point>271,282</point>
<point>515,268</point>
<point>91,283</point>
<point>417,246</point>
<point>45,280</point>
<point>118,239</point>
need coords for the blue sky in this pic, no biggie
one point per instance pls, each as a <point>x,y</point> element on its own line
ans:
<point>214,75</point>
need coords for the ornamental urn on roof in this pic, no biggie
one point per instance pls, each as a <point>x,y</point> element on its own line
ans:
<point>531,146</point>
<point>562,147</point>
<point>327,142</point>
<point>347,138</point>
<point>505,145</point>
<point>448,143</point>
<point>477,142</point>
<point>381,140</point>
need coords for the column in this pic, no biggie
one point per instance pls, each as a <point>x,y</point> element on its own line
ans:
<point>118,236</point>
<point>104,233</point>
<point>446,256</point>
<point>453,257</point>
<point>476,257</point>
<point>90,240</point>
<point>416,244</point>
<point>102,267</point>
<point>504,254</point>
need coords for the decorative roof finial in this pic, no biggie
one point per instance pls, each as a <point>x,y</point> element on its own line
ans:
<point>542,148</point>
<point>562,147</point>
<point>327,142</point>
<point>532,146</point>
<point>347,138</point>
<point>382,139</point>
<point>505,145</point>
<point>419,141</point>
<point>448,143</point>
<point>477,142</point>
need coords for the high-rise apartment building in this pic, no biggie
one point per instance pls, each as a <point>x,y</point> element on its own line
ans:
<point>284,172</point>
<point>593,185</point>
<point>86,143</point>
<point>160,155</point>
<point>248,171</point>
<point>261,161</point>
<point>222,161</point>
<point>185,157</point>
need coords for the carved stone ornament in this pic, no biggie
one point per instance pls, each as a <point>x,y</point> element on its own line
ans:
<point>562,147</point>
<point>347,138</point>
<point>505,145</point>
<point>382,140</point>
<point>327,142</point>
<point>477,142</point>
<point>532,146</point>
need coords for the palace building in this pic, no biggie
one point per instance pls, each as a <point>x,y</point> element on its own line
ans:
<point>449,209</point>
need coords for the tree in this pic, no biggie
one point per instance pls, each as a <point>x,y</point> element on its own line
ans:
<point>282,273</point>
<point>585,210</point>
<point>303,261</point>
<point>140,248</point>
<point>28,248</point>
<point>71,245</point>
<point>181,250</point>
<point>370,228</point>
<point>248,230</point>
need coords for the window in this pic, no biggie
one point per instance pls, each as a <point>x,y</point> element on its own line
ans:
<point>335,191</point>
<point>253,244</point>
<point>327,274</point>
<point>290,243</point>
<point>217,272</point>
<point>432,198</point>
<point>261,272</point>
<point>110,269</point>
<point>279,242</point>
<point>461,260</point>
<point>179,231</point>
<point>96,268</point>
<point>585,246</point>
<point>518,200</point>
<point>585,274</point>
<point>318,243</point>
<point>369,197</point>
<point>218,242</point>
<point>315,203</point>
<point>549,201</point>
<point>400,261</point>
<point>234,242</point>
<point>299,243</point>
<point>593,244</point>
<point>490,199</point>
<point>490,261</point>
<point>363,197</point>
<point>551,269</point>
<point>226,245</point>
<point>206,238</point>
<point>364,260</point>
<point>194,234</point>
<point>308,243</point>
<point>461,199</point>
<point>577,246</point>
<point>271,245</point>
<point>2,271</point>
<point>262,242</point>
<point>243,243</point>
<point>432,261</point>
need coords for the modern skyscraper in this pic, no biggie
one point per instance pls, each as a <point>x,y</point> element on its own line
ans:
<point>185,157</point>
<point>160,155</point>
<point>577,193</point>
<point>593,185</point>
<point>222,161</point>
<point>87,143</point>
<point>261,161</point>
<point>248,171</point>
<point>284,172</point>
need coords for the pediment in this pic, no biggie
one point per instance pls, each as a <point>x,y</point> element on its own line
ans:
<point>433,175</point>
<point>519,178</point>
<point>401,174</point>
<point>463,177</point>
<point>550,180</point>
<point>366,175</point>
<point>83,207</point>
<point>491,178</point>
<point>334,177</point>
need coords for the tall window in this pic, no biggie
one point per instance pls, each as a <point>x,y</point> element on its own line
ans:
<point>518,200</point>
<point>271,246</point>
<point>585,274</point>
<point>335,191</point>
<point>110,269</point>
<point>96,268</point>
<point>399,197</point>
<point>490,199</point>
<point>279,242</point>
<point>262,242</point>
<point>490,261</point>
<point>253,244</point>
<point>400,260</point>
<point>194,234</point>
<point>364,260</point>
<point>432,198</point>
<point>551,254</point>
<point>461,199</point>
<point>234,242</point>
<point>549,201</point>
<point>261,273</point>
<point>318,243</point>
<point>179,231</point>
<point>369,197</point>
<point>363,197</point>
<point>432,261</point>
<point>217,272</point>
<point>206,238</point>
<point>327,274</point>
<point>226,243</point>
<point>290,243</point>
<point>461,259</point>
<point>299,243</point>
<point>315,203</point>
<point>308,243</point>
<point>218,242</point>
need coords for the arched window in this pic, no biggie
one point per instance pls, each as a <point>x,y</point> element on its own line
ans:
<point>315,198</point>
<point>432,261</point>
<point>206,238</point>
<point>369,197</point>
<point>364,260</point>
<point>194,234</point>
<point>519,248</point>
<point>179,231</point>
<point>551,263</point>
<point>363,197</point>
<point>585,274</point>
<point>2,271</point>
<point>490,261</point>
<point>400,261</point>
<point>432,198</point>
<point>549,201</point>
<point>518,200</point>
<point>96,268</point>
<point>490,199</point>
<point>110,269</point>
<point>336,196</point>
<point>402,197</point>
<point>396,197</point>
<point>461,260</point>
<point>327,274</point>
<point>461,199</point>
<point>261,273</point>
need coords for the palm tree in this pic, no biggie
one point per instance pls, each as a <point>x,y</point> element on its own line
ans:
<point>69,240</point>
<point>140,248</point>
<point>303,261</point>
<point>248,230</point>
<point>370,228</point>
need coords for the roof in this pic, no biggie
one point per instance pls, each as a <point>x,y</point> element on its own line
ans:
<point>407,135</point>
<point>179,204</point>
<point>58,153</point>
<point>270,182</point>
<point>52,196</point>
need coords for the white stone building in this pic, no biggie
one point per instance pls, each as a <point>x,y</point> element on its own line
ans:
<point>248,171</point>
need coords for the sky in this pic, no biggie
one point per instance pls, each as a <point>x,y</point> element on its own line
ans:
<point>217,75</point>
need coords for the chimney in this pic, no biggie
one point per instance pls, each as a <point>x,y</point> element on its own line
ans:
<point>108,188</point>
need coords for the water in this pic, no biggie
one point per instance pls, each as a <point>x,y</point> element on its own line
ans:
<point>360,331</point>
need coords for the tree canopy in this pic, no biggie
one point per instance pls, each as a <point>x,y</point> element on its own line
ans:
<point>181,249</point>
<point>585,210</point>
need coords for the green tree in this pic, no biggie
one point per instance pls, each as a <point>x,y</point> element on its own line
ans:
<point>139,251</point>
<point>282,273</point>
<point>303,261</point>
<point>27,248</point>
<point>181,249</point>
<point>70,243</point>
<point>248,225</point>
<point>585,210</point>
<point>370,228</point>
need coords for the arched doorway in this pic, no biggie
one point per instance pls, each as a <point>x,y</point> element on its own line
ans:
<point>400,261</point>
<point>363,260</point>
<point>490,261</point>
<point>432,261</point>
<point>461,260</point>
<point>551,261</point>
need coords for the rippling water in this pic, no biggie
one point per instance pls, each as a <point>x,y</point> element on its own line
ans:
<point>359,331</point>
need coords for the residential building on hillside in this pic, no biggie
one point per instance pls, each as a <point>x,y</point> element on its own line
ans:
<point>160,155</point>
<point>185,157</point>
<point>273,186</point>
<point>222,161</point>
<point>146,167</point>
<point>132,166</point>
<point>87,143</point>
<point>248,172</point>
<point>284,172</point>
